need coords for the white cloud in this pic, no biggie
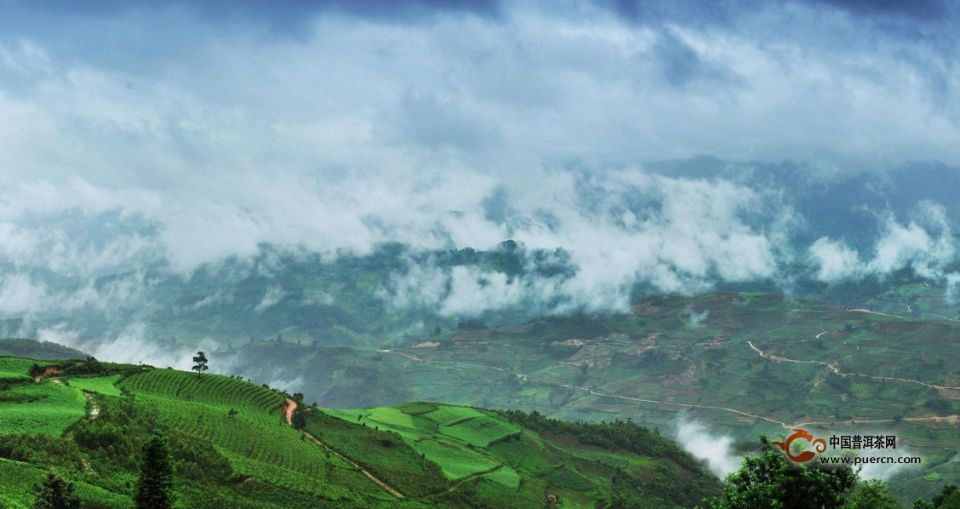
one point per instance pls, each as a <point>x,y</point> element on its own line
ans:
<point>835,260</point>
<point>953,284</point>
<point>695,318</point>
<point>927,250</point>
<point>716,450</point>
<point>19,294</point>
<point>271,298</point>
<point>677,235</point>
<point>364,132</point>
<point>924,244</point>
<point>472,292</point>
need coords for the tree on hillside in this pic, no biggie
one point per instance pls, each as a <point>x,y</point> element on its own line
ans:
<point>872,494</point>
<point>200,363</point>
<point>298,420</point>
<point>156,476</point>
<point>769,479</point>
<point>948,498</point>
<point>54,492</point>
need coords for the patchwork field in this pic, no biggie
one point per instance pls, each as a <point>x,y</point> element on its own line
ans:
<point>453,437</point>
<point>488,448</point>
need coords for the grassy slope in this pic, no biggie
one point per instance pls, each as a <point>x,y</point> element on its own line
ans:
<point>16,367</point>
<point>105,385</point>
<point>256,460</point>
<point>47,408</point>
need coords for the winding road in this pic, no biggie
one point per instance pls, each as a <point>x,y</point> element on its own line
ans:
<point>833,367</point>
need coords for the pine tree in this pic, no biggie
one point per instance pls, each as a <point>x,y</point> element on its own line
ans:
<point>299,420</point>
<point>153,487</point>
<point>56,493</point>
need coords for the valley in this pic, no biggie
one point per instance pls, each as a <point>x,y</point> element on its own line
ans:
<point>755,364</point>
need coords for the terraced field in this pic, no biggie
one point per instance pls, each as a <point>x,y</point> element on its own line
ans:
<point>254,439</point>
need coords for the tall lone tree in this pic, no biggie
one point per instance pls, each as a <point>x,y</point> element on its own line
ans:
<point>200,363</point>
<point>156,476</point>
<point>56,493</point>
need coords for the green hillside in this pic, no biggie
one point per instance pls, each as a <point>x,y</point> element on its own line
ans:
<point>233,446</point>
<point>745,364</point>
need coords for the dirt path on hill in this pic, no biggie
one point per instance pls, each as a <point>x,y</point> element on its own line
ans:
<point>944,317</point>
<point>865,310</point>
<point>833,367</point>
<point>94,407</point>
<point>49,370</point>
<point>777,358</point>
<point>455,363</point>
<point>290,408</point>
<point>674,403</point>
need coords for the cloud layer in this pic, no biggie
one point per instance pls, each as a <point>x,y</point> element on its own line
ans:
<point>134,137</point>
